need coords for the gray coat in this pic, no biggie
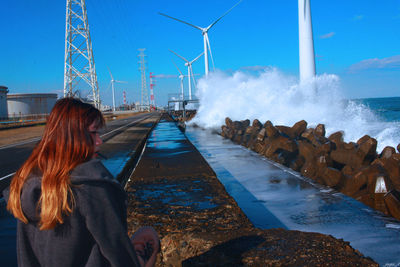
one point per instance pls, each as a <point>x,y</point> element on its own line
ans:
<point>95,234</point>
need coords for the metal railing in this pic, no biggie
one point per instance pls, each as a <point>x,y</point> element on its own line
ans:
<point>18,119</point>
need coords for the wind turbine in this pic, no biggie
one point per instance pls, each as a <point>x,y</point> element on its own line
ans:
<point>188,64</point>
<point>181,76</point>
<point>204,32</point>
<point>112,87</point>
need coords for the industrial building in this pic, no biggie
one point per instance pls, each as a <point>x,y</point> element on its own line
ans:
<point>20,105</point>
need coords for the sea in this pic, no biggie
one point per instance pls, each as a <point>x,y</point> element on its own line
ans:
<point>280,98</point>
<point>387,109</point>
<point>273,196</point>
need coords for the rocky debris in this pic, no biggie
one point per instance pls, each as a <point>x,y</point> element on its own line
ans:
<point>278,247</point>
<point>392,201</point>
<point>320,130</point>
<point>200,224</point>
<point>354,168</point>
<point>387,152</point>
<point>181,116</point>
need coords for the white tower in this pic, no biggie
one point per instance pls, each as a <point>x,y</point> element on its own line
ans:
<point>112,87</point>
<point>79,61</point>
<point>181,76</point>
<point>306,43</point>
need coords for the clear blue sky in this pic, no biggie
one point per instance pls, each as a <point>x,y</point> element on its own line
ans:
<point>357,40</point>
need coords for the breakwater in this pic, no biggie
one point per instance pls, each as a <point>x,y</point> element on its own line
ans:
<point>353,168</point>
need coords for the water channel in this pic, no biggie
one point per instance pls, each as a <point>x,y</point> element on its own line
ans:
<point>274,196</point>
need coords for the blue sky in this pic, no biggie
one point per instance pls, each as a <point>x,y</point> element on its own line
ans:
<point>357,40</point>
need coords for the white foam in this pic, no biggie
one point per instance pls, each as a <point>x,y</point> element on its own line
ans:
<point>278,97</point>
<point>326,190</point>
<point>392,225</point>
<point>392,265</point>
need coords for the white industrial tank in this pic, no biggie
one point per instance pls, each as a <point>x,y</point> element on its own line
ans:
<point>3,102</point>
<point>30,104</point>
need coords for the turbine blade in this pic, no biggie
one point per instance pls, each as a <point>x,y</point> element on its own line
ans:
<point>209,49</point>
<point>112,78</point>
<point>212,24</point>
<point>196,58</point>
<point>197,27</point>
<point>179,56</point>
<point>121,82</point>
<point>177,67</point>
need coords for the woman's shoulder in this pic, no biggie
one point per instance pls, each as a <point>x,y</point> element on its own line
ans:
<point>92,184</point>
<point>90,171</point>
<point>94,174</point>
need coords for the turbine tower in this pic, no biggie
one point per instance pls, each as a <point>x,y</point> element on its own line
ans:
<point>306,43</point>
<point>112,87</point>
<point>204,32</point>
<point>181,76</point>
<point>78,58</point>
<point>145,97</point>
<point>188,64</point>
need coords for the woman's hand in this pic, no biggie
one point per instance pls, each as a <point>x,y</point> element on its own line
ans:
<point>146,244</point>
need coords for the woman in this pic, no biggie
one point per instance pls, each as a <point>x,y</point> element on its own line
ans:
<point>70,210</point>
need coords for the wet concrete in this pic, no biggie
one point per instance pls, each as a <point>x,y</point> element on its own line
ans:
<point>121,150</point>
<point>297,202</point>
<point>174,189</point>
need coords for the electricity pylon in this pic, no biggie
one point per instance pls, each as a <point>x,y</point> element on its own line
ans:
<point>79,61</point>
<point>145,98</point>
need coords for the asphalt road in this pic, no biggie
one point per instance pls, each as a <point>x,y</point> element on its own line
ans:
<point>13,156</point>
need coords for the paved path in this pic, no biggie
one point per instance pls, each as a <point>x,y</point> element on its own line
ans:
<point>174,189</point>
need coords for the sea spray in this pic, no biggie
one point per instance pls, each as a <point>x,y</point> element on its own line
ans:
<point>278,97</point>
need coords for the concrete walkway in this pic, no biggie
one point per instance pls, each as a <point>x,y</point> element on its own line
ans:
<point>174,190</point>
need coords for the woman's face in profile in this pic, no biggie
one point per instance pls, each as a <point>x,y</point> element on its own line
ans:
<point>96,138</point>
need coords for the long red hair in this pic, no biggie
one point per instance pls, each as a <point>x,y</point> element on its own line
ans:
<point>66,143</point>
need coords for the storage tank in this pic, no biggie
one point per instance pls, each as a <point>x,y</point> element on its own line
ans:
<point>30,104</point>
<point>3,102</point>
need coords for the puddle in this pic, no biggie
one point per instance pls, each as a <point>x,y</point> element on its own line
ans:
<point>177,195</point>
<point>166,140</point>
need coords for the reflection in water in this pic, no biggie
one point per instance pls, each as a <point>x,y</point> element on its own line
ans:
<point>295,201</point>
<point>173,195</point>
<point>166,136</point>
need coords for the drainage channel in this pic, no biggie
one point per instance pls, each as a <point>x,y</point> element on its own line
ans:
<point>296,202</point>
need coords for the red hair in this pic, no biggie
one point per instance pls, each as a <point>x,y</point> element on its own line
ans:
<point>66,143</point>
